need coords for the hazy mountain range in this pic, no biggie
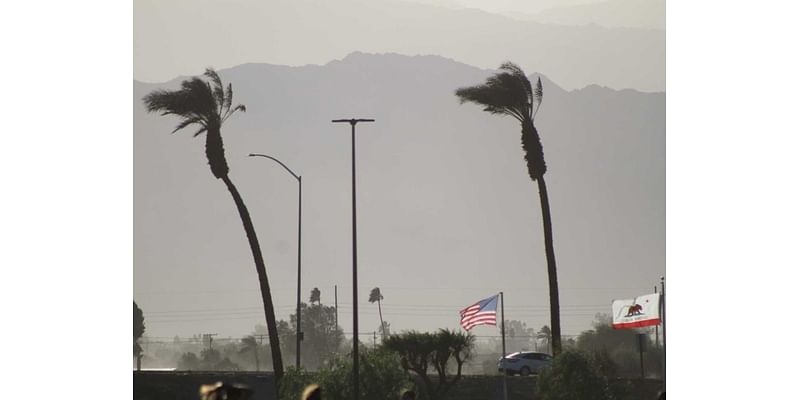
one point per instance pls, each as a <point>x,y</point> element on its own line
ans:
<point>577,46</point>
<point>447,214</point>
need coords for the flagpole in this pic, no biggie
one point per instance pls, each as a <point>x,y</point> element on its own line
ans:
<point>664,324</point>
<point>655,290</point>
<point>503,334</point>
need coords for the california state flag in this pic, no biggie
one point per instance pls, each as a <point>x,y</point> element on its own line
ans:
<point>637,313</point>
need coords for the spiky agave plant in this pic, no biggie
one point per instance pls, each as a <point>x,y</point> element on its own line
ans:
<point>509,92</point>
<point>209,105</point>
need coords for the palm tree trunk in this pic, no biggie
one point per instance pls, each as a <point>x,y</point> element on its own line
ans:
<point>215,153</point>
<point>380,314</point>
<point>555,318</point>
<point>266,295</point>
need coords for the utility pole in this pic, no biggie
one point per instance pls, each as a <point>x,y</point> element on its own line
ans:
<point>336,305</point>
<point>260,337</point>
<point>353,122</point>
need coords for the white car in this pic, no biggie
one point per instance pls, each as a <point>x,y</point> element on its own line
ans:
<point>524,363</point>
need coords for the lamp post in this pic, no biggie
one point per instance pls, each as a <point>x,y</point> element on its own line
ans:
<point>299,241</point>
<point>353,122</point>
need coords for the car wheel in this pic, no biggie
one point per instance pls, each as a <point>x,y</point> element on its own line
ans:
<point>525,371</point>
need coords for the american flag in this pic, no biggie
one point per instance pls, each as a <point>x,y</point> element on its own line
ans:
<point>483,312</point>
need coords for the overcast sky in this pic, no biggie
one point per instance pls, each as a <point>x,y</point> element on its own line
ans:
<point>616,43</point>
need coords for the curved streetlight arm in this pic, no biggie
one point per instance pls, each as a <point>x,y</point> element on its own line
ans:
<point>299,334</point>
<point>277,161</point>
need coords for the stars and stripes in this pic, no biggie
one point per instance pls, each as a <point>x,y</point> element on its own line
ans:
<point>483,312</point>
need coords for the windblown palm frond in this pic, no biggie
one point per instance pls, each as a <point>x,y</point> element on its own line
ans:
<point>207,104</point>
<point>229,98</point>
<point>375,295</point>
<point>538,95</point>
<point>197,102</point>
<point>507,92</point>
<point>193,99</point>
<point>218,89</point>
<point>538,91</point>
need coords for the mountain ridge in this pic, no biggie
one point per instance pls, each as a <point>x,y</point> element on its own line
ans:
<point>351,56</point>
<point>443,195</point>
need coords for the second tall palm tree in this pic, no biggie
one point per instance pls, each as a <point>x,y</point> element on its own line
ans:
<point>375,295</point>
<point>209,104</point>
<point>509,92</point>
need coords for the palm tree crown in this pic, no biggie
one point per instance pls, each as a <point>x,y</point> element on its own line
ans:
<point>509,92</point>
<point>375,295</point>
<point>207,104</point>
<point>315,295</point>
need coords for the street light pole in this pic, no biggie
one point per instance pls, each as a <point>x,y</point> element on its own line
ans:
<point>299,245</point>
<point>353,122</point>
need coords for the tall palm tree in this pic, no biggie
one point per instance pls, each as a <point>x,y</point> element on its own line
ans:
<point>209,105</point>
<point>375,295</point>
<point>509,92</point>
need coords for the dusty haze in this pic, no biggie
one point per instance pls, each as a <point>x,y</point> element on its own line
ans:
<point>447,213</point>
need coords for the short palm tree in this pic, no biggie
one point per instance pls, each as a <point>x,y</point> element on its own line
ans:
<point>315,296</point>
<point>544,335</point>
<point>375,295</point>
<point>509,92</point>
<point>249,344</point>
<point>209,105</point>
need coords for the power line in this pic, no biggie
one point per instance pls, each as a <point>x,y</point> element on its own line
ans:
<point>367,287</point>
<point>399,307</point>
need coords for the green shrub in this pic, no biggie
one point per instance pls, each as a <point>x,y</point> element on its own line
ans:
<point>294,381</point>
<point>420,350</point>
<point>573,376</point>
<point>380,378</point>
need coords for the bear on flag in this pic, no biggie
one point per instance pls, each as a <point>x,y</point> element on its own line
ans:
<point>637,313</point>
